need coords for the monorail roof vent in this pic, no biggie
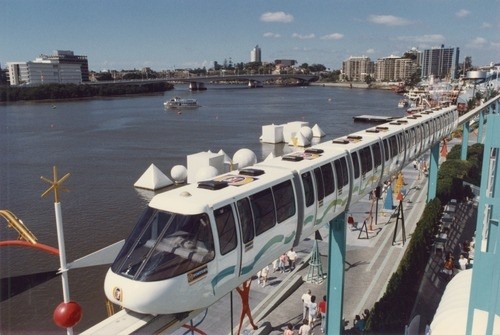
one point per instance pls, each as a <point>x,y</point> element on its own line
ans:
<point>354,137</point>
<point>252,172</point>
<point>292,158</point>
<point>341,141</point>
<point>382,128</point>
<point>212,184</point>
<point>314,151</point>
<point>372,131</point>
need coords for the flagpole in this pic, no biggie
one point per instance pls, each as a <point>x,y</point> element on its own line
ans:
<point>67,314</point>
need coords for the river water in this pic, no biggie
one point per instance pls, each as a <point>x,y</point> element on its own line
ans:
<point>106,145</point>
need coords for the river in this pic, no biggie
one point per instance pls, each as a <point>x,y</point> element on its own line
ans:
<point>106,145</point>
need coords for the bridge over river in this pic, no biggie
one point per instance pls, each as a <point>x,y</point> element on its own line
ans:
<point>200,82</point>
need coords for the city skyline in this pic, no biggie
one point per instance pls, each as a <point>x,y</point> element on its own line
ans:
<point>164,35</point>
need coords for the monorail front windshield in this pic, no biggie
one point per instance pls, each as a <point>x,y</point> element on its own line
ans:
<point>164,245</point>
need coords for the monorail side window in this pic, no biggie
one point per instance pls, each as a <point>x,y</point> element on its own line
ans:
<point>366,160</point>
<point>394,146</point>
<point>419,134</point>
<point>412,137</point>
<point>426,131</point>
<point>319,184</point>
<point>341,171</point>
<point>329,182</point>
<point>439,122</point>
<point>377,155</point>
<point>226,229</point>
<point>263,210</point>
<point>308,188</point>
<point>246,219</point>
<point>387,153</point>
<point>401,143</point>
<point>355,164</point>
<point>431,128</point>
<point>285,200</point>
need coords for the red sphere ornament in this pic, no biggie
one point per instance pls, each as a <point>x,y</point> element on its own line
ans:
<point>67,314</point>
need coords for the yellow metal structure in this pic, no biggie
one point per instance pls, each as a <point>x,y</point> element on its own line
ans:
<point>56,184</point>
<point>16,223</point>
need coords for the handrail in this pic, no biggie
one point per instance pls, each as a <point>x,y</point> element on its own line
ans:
<point>473,113</point>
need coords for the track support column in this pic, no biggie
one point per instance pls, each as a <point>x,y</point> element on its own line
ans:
<point>465,141</point>
<point>484,302</point>
<point>336,260</point>
<point>433,170</point>
<point>480,128</point>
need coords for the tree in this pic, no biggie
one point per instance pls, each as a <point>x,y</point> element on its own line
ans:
<point>103,76</point>
<point>317,68</point>
<point>413,80</point>
<point>369,79</point>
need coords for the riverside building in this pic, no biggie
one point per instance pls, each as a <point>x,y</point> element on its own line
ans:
<point>63,67</point>
<point>439,62</point>
<point>255,55</point>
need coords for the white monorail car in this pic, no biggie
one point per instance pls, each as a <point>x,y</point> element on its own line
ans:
<point>196,243</point>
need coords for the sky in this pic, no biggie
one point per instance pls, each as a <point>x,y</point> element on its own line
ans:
<point>168,34</point>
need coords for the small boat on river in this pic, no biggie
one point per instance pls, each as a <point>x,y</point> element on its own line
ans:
<point>180,103</point>
<point>403,103</point>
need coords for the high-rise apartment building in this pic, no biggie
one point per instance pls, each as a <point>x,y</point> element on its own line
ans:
<point>255,55</point>
<point>394,68</point>
<point>357,68</point>
<point>439,62</point>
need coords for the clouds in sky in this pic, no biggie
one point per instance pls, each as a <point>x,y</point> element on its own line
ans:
<point>423,39</point>
<point>303,36</point>
<point>477,42</point>
<point>388,20</point>
<point>280,17</point>
<point>332,36</point>
<point>462,13</point>
<point>271,35</point>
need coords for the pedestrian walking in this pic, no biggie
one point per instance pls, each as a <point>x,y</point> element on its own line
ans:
<point>292,257</point>
<point>283,262</point>
<point>264,273</point>
<point>306,300</point>
<point>289,330</point>
<point>275,264</point>
<point>322,311</point>
<point>305,329</point>
<point>313,311</point>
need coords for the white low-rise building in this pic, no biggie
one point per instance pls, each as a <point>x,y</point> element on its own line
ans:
<point>42,71</point>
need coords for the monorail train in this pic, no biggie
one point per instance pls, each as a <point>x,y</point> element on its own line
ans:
<point>196,243</point>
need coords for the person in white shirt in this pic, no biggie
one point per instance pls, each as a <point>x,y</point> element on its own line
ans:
<point>313,311</point>
<point>292,257</point>
<point>462,261</point>
<point>305,329</point>
<point>306,300</point>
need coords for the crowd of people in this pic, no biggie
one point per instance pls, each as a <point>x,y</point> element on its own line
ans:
<point>314,313</point>
<point>465,259</point>
<point>285,263</point>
